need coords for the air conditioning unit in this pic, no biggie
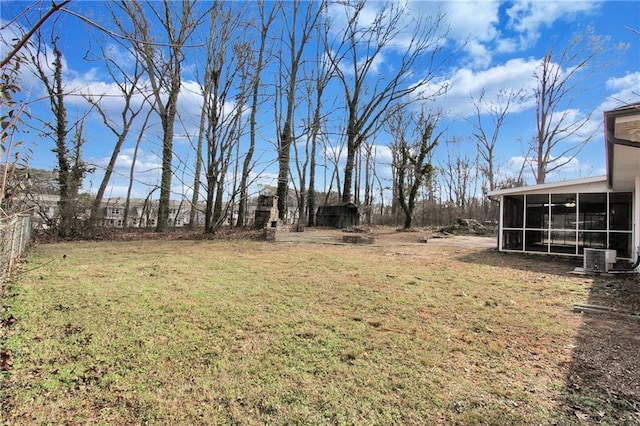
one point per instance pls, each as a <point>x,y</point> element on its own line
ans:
<point>599,260</point>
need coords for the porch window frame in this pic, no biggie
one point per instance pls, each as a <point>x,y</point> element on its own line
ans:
<point>577,231</point>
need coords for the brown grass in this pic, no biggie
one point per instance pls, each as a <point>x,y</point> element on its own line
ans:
<point>249,332</point>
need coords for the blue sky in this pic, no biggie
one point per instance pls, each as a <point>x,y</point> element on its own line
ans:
<point>500,46</point>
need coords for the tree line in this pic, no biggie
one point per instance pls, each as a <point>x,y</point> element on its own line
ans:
<point>308,86</point>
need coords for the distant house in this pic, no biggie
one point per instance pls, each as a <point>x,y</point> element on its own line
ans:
<point>143,213</point>
<point>601,212</point>
<point>338,215</point>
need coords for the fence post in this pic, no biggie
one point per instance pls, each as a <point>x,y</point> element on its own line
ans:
<point>4,240</point>
<point>12,241</point>
<point>15,234</point>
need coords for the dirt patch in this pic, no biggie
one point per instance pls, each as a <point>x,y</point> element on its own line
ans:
<point>603,382</point>
<point>385,236</point>
<point>602,379</point>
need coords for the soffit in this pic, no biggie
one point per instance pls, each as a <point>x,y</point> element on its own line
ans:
<point>626,148</point>
<point>628,128</point>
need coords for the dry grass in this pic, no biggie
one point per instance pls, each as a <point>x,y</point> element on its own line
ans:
<point>247,332</point>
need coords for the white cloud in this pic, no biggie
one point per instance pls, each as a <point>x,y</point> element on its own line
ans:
<point>374,68</point>
<point>514,75</point>
<point>573,169</point>
<point>625,90</point>
<point>190,99</point>
<point>472,25</point>
<point>476,19</point>
<point>577,127</point>
<point>507,45</point>
<point>120,56</point>
<point>476,25</point>
<point>628,82</point>
<point>529,17</point>
<point>147,163</point>
<point>146,173</point>
<point>383,159</point>
<point>114,191</point>
<point>481,57</point>
<point>331,152</point>
<point>400,21</point>
<point>339,14</point>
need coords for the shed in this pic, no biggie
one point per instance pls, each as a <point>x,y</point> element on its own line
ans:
<point>341,215</point>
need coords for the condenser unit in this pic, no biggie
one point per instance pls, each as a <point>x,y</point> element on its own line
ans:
<point>599,260</point>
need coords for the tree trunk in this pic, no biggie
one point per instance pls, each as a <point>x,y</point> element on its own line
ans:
<point>195,197</point>
<point>167,173</point>
<point>348,172</point>
<point>311,196</point>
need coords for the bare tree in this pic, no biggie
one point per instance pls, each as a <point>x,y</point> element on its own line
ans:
<point>414,138</point>
<point>228,140</point>
<point>128,84</point>
<point>559,79</point>
<point>266,19</point>
<point>306,161</point>
<point>22,42</point>
<point>488,120</point>
<point>14,154</point>
<point>11,115</point>
<point>369,165</point>
<point>219,39</point>
<point>333,154</point>
<point>70,166</point>
<point>298,34</point>
<point>301,162</point>
<point>134,160</point>
<point>163,65</point>
<point>315,134</point>
<point>458,172</point>
<point>205,91</point>
<point>368,89</point>
<point>222,127</point>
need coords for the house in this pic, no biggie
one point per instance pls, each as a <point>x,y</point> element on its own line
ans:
<point>601,212</point>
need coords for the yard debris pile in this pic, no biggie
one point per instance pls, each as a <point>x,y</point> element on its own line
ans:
<point>465,227</point>
<point>363,235</point>
<point>358,239</point>
<point>358,229</point>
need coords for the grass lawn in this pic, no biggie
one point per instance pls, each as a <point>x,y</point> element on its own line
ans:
<point>249,332</point>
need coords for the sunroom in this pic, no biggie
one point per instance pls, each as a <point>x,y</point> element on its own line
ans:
<point>565,218</point>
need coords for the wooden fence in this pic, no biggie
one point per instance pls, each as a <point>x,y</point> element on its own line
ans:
<point>15,234</point>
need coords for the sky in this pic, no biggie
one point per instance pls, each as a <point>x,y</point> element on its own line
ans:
<point>494,46</point>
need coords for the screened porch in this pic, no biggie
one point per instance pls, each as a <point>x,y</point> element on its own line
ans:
<point>567,223</point>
